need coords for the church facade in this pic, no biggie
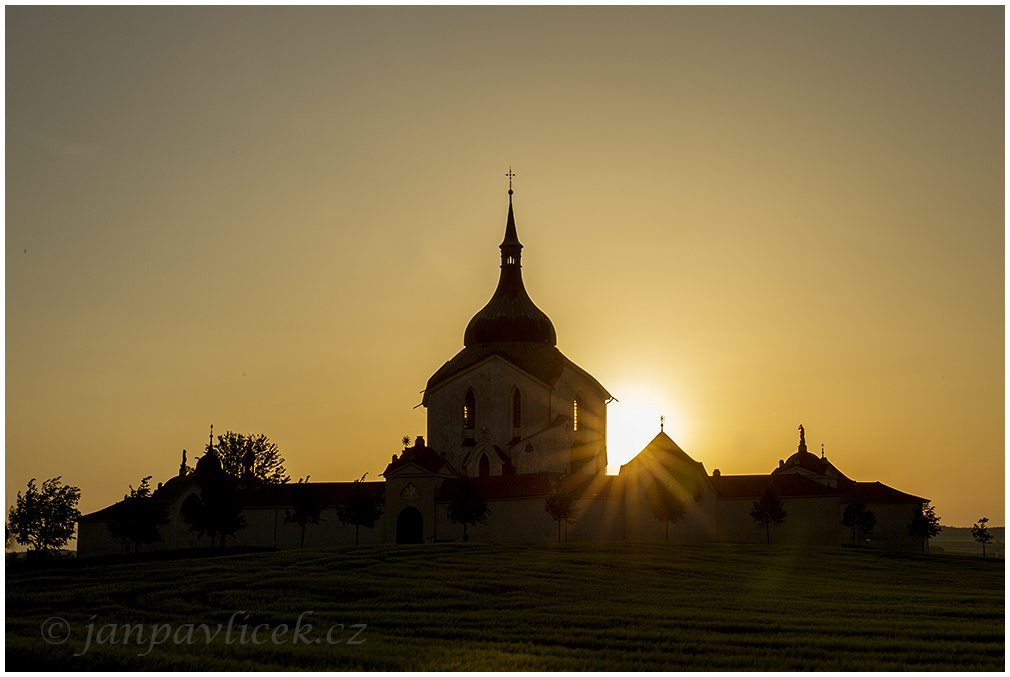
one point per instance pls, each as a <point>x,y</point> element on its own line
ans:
<point>520,421</point>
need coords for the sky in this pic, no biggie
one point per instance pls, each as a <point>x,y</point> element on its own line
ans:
<point>279,221</point>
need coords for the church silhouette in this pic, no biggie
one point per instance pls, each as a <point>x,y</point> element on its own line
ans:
<point>516,419</point>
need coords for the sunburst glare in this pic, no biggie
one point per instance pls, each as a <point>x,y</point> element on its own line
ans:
<point>635,419</point>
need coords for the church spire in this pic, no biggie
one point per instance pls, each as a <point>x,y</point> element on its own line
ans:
<point>511,242</point>
<point>510,315</point>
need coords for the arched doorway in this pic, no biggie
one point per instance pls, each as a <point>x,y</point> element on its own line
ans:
<point>410,526</point>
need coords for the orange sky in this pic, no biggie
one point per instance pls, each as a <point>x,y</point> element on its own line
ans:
<point>279,221</point>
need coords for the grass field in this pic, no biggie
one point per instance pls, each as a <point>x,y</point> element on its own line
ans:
<point>613,606</point>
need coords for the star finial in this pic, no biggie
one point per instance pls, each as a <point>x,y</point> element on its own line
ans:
<point>510,175</point>
<point>662,420</point>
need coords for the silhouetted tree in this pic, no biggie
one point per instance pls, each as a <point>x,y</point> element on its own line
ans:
<point>138,516</point>
<point>307,506</point>
<point>560,504</point>
<point>359,508</point>
<point>925,524</point>
<point>44,520</point>
<point>667,504</point>
<point>215,512</point>
<point>980,532</point>
<point>860,519</point>
<point>768,511</point>
<point>267,463</point>
<point>467,506</point>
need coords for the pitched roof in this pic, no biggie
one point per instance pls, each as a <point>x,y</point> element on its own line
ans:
<point>269,495</point>
<point>663,452</point>
<point>752,486</point>
<point>542,360</point>
<point>421,455</point>
<point>332,493</point>
<point>103,515</point>
<point>875,492</point>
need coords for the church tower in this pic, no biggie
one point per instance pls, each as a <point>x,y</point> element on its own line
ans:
<point>510,402</point>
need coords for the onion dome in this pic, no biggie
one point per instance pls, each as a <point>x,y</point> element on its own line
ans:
<point>510,315</point>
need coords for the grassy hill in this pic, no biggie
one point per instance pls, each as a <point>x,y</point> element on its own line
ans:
<point>612,606</point>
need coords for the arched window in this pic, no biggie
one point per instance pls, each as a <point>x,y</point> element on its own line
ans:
<point>575,414</point>
<point>469,404</point>
<point>517,410</point>
<point>484,468</point>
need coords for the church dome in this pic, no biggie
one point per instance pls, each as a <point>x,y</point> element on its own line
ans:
<point>804,459</point>
<point>510,315</point>
<point>208,464</point>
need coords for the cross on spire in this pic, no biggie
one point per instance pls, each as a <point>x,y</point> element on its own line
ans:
<point>662,420</point>
<point>510,175</point>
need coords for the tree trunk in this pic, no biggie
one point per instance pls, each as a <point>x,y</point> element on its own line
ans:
<point>559,531</point>
<point>768,535</point>
<point>667,531</point>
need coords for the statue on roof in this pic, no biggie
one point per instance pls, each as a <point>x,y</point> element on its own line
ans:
<point>248,458</point>
<point>803,440</point>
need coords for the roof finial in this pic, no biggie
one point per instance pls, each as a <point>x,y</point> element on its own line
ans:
<point>210,447</point>
<point>662,420</point>
<point>510,175</point>
<point>803,440</point>
<point>822,449</point>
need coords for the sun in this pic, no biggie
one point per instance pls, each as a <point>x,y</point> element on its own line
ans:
<point>634,420</point>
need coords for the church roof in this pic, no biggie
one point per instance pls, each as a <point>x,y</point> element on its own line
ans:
<point>543,361</point>
<point>267,495</point>
<point>752,486</point>
<point>804,459</point>
<point>663,452</point>
<point>794,485</point>
<point>104,515</point>
<point>875,492</point>
<point>332,493</point>
<point>510,315</point>
<point>510,326</point>
<point>420,455</point>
